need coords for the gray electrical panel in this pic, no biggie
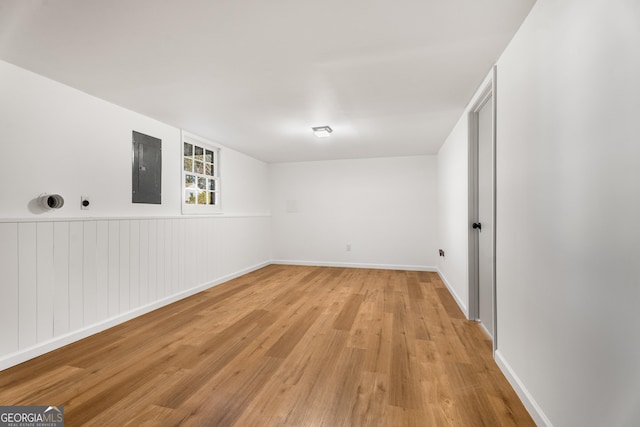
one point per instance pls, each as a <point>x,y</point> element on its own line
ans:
<point>147,169</point>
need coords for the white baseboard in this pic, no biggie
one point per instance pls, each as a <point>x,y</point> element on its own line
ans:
<point>453,293</point>
<point>485,330</point>
<point>355,265</point>
<point>57,342</point>
<point>527,399</point>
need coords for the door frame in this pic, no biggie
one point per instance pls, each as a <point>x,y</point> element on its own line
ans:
<point>489,90</point>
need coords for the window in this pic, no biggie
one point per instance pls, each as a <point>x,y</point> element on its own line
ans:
<point>200,175</point>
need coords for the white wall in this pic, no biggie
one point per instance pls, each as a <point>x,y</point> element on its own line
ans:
<point>453,206</point>
<point>56,139</point>
<point>70,273</point>
<point>568,181</point>
<point>453,209</point>
<point>384,208</point>
<point>568,207</point>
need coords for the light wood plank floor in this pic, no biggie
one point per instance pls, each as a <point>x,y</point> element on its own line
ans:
<point>283,346</point>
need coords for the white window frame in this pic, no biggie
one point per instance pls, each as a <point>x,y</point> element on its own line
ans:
<point>202,209</point>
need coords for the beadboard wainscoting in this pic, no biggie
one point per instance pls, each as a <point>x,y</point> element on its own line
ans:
<point>63,280</point>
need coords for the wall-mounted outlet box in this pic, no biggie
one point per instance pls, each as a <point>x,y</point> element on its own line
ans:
<point>348,248</point>
<point>85,203</point>
<point>441,252</point>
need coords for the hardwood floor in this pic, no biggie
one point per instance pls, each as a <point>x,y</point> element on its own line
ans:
<point>283,346</point>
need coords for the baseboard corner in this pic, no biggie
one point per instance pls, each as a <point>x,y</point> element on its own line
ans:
<point>453,293</point>
<point>527,399</point>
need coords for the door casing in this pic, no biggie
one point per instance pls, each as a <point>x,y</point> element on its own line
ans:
<point>488,91</point>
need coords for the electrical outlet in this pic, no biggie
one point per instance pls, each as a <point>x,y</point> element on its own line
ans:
<point>85,203</point>
<point>348,248</point>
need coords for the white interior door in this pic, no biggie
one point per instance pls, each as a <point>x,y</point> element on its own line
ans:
<point>485,217</point>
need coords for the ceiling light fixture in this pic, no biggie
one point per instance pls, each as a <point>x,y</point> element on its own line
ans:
<point>322,131</point>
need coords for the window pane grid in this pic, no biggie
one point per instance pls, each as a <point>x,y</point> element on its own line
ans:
<point>200,180</point>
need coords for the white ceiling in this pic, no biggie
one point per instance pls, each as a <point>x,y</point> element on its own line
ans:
<point>390,77</point>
